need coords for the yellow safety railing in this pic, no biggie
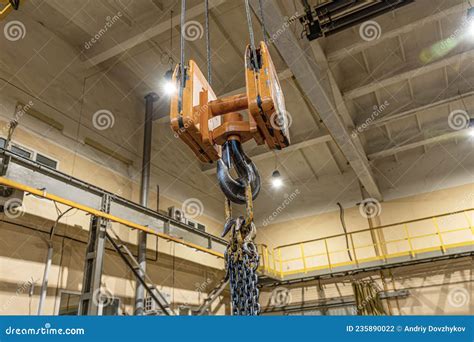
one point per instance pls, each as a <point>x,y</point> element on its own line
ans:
<point>410,238</point>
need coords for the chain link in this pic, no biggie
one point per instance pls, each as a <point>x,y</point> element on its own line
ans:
<point>241,264</point>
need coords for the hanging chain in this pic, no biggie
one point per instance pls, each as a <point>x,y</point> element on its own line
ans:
<point>242,261</point>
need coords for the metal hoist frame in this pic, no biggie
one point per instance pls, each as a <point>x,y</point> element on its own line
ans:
<point>215,130</point>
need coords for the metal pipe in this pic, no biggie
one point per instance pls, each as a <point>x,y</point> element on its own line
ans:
<point>145,182</point>
<point>44,284</point>
<point>224,105</point>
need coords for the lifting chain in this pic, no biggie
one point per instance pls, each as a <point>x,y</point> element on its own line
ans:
<point>242,259</point>
<point>241,255</point>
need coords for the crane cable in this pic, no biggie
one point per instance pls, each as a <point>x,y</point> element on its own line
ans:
<point>182,67</point>
<point>208,43</point>
<point>262,20</point>
<point>251,34</point>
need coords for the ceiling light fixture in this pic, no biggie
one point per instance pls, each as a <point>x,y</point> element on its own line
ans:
<point>471,127</point>
<point>470,21</point>
<point>168,86</point>
<point>277,182</point>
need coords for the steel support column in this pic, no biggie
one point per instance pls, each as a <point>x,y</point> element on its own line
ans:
<point>145,183</point>
<point>44,284</point>
<point>91,287</point>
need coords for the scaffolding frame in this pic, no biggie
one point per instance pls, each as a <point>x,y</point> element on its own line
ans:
<point>104,207</point>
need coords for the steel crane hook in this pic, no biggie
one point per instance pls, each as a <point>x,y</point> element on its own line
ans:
<point>234,189</point>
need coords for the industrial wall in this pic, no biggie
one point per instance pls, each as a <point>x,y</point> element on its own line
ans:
<point>184,274</point>
<point>443,287</point>
<point>89,123</point>
<point>437,288</point>
<point>22,259</point>
<point>390,212</point>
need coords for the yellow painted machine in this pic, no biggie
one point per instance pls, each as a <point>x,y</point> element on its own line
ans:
<point>215,129</point>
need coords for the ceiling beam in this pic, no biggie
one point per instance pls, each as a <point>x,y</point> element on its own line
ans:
<point>380,84</point>
<point>227,37</point>
<point>161,27</point>
<point>363,45</point>
<point>316,86</point>
<point>410,146</point>
<point>322,137</point>
<point>414,111</point>
<point>285,74</point>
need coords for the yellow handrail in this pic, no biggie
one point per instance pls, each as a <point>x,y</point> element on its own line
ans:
<point>307,259</point>
<point>98,213</point>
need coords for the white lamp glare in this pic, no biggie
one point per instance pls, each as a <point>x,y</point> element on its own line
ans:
<point>277,182</point>
<point>470,28</point>
<point>470,22</point>
<point>169,88</point>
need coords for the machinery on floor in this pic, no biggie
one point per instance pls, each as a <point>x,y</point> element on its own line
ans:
<point>215,129</point>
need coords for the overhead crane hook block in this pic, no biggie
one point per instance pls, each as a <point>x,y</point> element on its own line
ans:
<point>266,102</point>
<point>190,116</point>
<point>215,128</point>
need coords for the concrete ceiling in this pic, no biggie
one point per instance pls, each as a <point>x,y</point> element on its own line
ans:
<point>378,117</point>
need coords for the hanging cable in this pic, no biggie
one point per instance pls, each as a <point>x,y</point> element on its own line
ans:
<point>343,223</point>
<point>262,18</point>
<point>182,56</point>
<point>170,55</point>
<point>208,43</point>
<point>60,215</point>
<point>11,129</point>
<point>251,33</point>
